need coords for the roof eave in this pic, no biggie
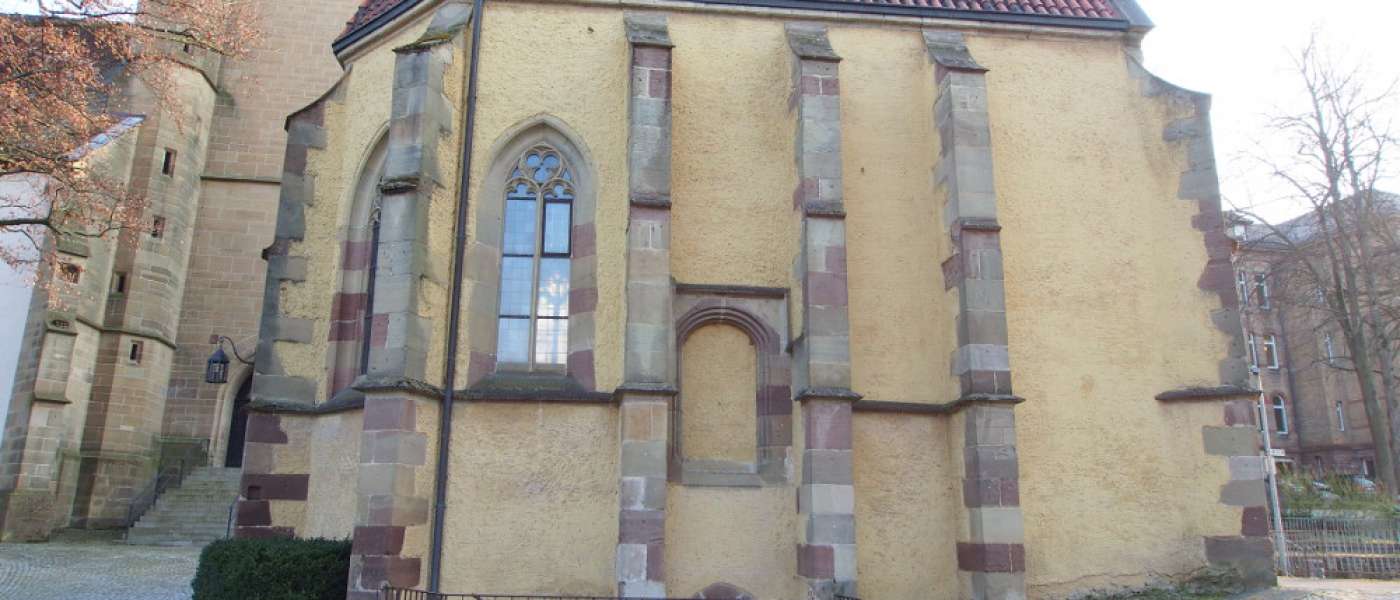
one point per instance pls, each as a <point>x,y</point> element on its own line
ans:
<point>940,13</point>
<point>1136,19</point>
<point>349,38</point>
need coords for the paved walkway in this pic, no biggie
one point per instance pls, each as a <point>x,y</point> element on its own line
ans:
<point>1290,588</point>
<point>95,571</point>
<point>113,571</point>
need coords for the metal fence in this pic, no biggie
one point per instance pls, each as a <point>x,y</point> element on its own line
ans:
<point>1342,547</point>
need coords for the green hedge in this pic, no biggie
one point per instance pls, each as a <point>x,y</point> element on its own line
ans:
<point>273,569</point>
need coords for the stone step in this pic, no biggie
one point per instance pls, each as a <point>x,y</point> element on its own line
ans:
<point>195,513</point>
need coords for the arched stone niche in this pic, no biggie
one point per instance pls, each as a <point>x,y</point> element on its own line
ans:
<point>761,314</point>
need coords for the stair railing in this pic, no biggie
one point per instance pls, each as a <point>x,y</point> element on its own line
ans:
<point>166,478</point>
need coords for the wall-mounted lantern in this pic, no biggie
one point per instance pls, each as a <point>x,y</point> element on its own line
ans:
<point>216,369</point>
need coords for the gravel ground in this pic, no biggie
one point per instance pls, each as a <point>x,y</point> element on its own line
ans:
<point>95,571</point>
<point>1290,588</point>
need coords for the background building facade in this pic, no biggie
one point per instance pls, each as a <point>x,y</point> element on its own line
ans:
<point>1313,404</point>
<point>110,383</point>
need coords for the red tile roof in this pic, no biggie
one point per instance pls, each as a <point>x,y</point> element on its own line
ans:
<point>1091,9</point>
<point>1086,10</point>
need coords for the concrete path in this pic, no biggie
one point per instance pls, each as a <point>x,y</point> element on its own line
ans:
<point>1290,588</point>
<point>95,571</point>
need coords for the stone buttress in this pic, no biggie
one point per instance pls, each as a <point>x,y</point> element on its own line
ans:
<point>649,385</point>
<point>991,552</point>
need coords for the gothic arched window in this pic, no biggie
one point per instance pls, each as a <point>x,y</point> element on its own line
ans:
<point>533,319</point>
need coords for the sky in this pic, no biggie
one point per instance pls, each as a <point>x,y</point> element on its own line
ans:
<point>1239,51</point>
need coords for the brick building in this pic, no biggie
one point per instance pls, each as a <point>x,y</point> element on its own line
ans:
<point>112,386</point>
<point>1312,401</point>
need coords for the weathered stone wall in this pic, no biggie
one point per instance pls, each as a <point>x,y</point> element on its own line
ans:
<point>39,465</point>
<point>290,67</point>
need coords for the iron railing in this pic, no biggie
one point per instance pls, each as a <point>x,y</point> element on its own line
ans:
<point>1342,547</point>
<point>390,593</point>
<point>166,478</point>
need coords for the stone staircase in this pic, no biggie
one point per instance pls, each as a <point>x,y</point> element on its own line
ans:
<point>193,514</point>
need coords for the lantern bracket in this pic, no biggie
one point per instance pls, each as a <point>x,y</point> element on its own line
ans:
<point>220,339</point>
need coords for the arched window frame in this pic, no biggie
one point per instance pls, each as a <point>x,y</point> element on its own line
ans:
<point>1279,410</point>
<point>485,254</point>
<point>351,320</point>
<point>537,235</point>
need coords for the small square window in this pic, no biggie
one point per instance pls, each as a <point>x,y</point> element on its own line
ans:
<point>1270,357</point>
<point>70,272</point>
<point>158,227</point>
<point>167,167</point>
<point>137,349</point>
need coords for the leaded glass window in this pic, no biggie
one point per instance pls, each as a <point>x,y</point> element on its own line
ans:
<point>533,327</point>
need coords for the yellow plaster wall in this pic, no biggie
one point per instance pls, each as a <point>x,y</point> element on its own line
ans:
<point>717,382</point>
<point>1104,312</point>
<point>1115,485</point>
<point>532,505</point>
<point>907,491</point>
<point>733,169</point>
<point>901,317</point>
<point>741,536</point>
<point>575,69</point>
<point>335,462</point>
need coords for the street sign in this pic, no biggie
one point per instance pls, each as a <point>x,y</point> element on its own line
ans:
<point>1277,452</point>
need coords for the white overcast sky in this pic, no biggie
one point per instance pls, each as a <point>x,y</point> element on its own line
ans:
<point>1239,52</point>
<point>1236,50</point>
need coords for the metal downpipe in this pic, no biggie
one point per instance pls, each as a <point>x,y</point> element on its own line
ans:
<point>455,307</point>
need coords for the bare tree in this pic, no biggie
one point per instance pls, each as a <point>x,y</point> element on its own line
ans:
<point>63,69</point>
<point>1339,259</point>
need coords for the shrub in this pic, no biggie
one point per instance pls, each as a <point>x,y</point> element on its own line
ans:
<point>273,569</point>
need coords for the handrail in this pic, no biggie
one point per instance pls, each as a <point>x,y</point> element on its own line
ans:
<point>228,527</point>
<point>163,481</point>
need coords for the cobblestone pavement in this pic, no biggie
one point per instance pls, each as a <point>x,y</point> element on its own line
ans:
<point>1290,588</point>
<point>95,571</point>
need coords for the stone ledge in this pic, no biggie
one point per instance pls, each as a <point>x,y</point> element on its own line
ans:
<point>839,394</point>
<point>948,49</point>
<point>1192,394</point>
<point>938,409</point>
<point>827,210</point>
<point>148,335</point>
<point>731,290</point>
<point>342,402</point>
<point>648,30</point>
<point>656,389</point>
<point>809,42</point>
<point>650,201</point>
<point>533,387</point>
<point>406,385</point>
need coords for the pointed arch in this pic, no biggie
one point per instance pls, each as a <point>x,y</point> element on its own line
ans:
<point>560,342</point>
<point>351,306</point>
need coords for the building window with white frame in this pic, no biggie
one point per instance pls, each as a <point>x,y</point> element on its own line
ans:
<point>1270,352</point>
<point>1341,416</point>
<point>533,324</point>
<point>1261,290</point>
<point>1253,350</point>
<point>1280,413</point>
<point>1242,287</point>
<point>1328,350</point>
